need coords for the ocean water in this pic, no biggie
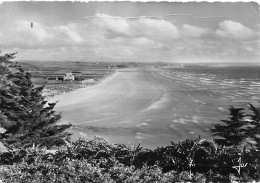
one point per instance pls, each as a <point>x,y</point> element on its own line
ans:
<point>239,84</point>
<point>228,72</point>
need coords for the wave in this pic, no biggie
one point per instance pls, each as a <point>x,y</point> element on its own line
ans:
<point>158,104</point>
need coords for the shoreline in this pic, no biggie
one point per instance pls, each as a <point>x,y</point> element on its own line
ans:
<point>79,87</point>
<point>121,108</point>
<point>146,105</point>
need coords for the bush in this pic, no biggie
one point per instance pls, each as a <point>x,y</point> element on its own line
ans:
<point>97,160</point>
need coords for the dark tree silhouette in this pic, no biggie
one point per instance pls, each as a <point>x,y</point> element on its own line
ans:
<point>254,129</point>
<point>25,115</point>
<point>232,132</point>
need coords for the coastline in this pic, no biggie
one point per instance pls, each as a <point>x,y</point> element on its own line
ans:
<point>148,105</point>
<point>127,107</point>
<point>78,87</point>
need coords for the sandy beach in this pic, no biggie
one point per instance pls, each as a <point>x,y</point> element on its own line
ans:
<point>137,105</point>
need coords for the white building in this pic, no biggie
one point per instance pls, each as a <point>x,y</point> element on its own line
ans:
<point>69,77</point>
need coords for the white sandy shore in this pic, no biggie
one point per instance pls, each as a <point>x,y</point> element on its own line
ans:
<point>123,100</point>
<point>142,105</point>
<point>58,96</point>
<point>118,94</point>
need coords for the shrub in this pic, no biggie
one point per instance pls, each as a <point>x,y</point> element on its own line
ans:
<point>97,160</point>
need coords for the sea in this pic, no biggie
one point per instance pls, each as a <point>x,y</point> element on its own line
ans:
<point>239,84</point>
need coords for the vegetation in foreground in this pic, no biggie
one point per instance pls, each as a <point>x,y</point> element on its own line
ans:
<point>39,150</point>
<point>97,160</point>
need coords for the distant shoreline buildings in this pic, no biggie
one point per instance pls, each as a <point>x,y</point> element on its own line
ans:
<point>69,77</point>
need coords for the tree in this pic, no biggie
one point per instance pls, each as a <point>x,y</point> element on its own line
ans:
<point>240,129</point>
<point>233,132</point>
<point>25,115</point>
<point>254,129</point>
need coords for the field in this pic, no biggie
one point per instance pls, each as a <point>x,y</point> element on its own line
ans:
<point>51,74</point>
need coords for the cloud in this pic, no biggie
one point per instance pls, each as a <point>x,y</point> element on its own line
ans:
<point>138,43</point>
<point>113,24</point>
<point>24,27</point>
<point>258,30</point>
<point>232,29</point>
<point>159,30</point>
<point>71,33</point>
<point>193,31</point>
<point>22,35</point>
<point>109,38</point>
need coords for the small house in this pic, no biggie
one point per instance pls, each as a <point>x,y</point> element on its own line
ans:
<point>69,77</point>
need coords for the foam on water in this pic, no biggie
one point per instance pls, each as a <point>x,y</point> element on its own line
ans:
<point>141,136</point>
<point>221,109</point>
<point>237,84</point>
<point>158,104</point>
<point>195,119</point>
<point>173,127</point>
<point>181,120</point>
<point>123,122</point>
<point>142,124</point>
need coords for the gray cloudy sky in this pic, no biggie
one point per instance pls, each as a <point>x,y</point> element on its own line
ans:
<point>131,31</point>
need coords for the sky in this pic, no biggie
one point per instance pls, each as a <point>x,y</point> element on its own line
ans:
<point>131,31</point>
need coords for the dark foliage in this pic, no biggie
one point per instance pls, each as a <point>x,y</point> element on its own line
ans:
<point>24,114</point>
<point>253,131</point>
<point>97,160</point>
<point>240,129</point>
<point>231,133</point>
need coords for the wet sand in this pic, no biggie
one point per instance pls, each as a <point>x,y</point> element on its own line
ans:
<point>140,105</point>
